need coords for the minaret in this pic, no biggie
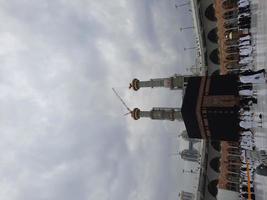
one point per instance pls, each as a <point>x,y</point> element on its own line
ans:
<point>158,113</point>
<point>174,83</point>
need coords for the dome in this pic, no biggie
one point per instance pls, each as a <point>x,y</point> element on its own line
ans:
<point>135,114</point>
<point>135,84</point>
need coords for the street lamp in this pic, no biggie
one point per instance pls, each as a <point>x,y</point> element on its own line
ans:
<point>185,28</point>
<point>181,5</point>
<point>189,171</point>
<point>189,48</point>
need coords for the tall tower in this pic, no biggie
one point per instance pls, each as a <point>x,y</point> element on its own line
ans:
<point>174,83</point>
<point>158,113</point>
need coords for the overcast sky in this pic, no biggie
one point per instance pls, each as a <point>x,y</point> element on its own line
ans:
<point>63,135</point>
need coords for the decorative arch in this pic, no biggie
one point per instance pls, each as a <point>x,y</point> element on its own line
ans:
<point>214,56</point>
<point>210,13</point>
<point>212,35</point>
<point>212,187</point>
<point>215,164</point>
<point>216,144</point>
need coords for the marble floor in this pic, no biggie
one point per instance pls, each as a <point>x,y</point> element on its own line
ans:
<point>259,24</point>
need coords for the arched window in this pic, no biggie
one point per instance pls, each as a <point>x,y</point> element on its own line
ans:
<point>214,56</point>
<point>215,164</point>
<point>216,144</point>
<point>212,187</point>
<point>212,35</point>
<point>210,13</point>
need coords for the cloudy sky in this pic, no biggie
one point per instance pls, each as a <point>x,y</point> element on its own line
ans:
<point>63,135</point>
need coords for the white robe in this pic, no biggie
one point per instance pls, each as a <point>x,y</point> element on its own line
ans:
<point>248,47</point>
<point>242,4</point>
<point>245,92</point>
<point>249,113</point>
<point>246,60</point>
<point>245,51</point>
<point>246,118</point>
<point>248,124</point>
<point>244,43</point>
<point>246,134</point>
<point>255,78</point>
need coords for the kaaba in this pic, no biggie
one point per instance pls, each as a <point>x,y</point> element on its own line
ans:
<point>210,107</point>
